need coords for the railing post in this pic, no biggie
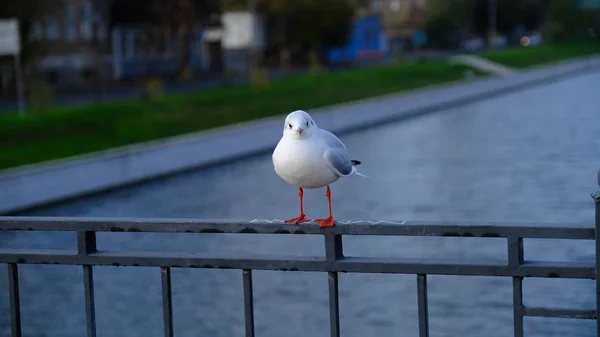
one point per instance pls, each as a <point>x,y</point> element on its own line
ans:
<point>515,259</point>
<point>86,244</point>
<point>15,302</point>
<point>333,251</point>
<point>422,305</point>
<point>596,197</point>
<point>165,275</point>
<point>248,302</point>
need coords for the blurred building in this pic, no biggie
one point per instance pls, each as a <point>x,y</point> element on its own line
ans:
<point>403,21</point>
<point>73,41</point>
<point>367,41</point>
<point>77,41</point>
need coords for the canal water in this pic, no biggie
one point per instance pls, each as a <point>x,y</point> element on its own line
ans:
<point>529,156</point>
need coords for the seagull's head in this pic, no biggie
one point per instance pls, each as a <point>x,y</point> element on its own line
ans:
<point>299,125</point>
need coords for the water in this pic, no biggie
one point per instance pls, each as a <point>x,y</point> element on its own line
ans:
<point>530,156</point>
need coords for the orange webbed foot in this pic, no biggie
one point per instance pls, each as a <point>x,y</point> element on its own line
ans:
<point>327,222</point>
<point>298,219</point>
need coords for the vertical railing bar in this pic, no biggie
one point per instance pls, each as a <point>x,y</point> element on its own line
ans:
<point>88,285</point>
<point>165,275</point>
<point>248,302</point>
<point>518,305</point>
<point>597,237</point>
<point>86,244</point>
<point>515,251</point>
<point>516,257</point>
<point>333,247</point>
<point>422,305</point>
<point>15,302</point>
<point>333,251</point>
<point>334,305</point>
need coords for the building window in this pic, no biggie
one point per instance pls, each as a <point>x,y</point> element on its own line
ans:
<point>70,30</point>
<point>85,20</point>
<point>51,29</point>
<point>395,5</point>
<point>129,45</point>
<point>100,29</point>
<point>375,5</point>
<point>36,32</point>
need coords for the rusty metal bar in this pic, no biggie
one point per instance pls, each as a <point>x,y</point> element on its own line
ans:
<point>422,305</point>
<point>167,300</point>
<point>15,303</point>
<point>248,302</point>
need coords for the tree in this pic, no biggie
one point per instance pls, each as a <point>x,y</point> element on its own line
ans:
<point>565,21</point>
<point>510,15</point>
<point>318,24</point>
<point>446,19</point>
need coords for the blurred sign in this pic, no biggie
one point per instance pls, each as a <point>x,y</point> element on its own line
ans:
<point>242,30</point>
<point>213,34</point>
<point>419,38</point>
<point>10,43</point>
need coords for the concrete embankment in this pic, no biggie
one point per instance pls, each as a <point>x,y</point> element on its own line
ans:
<point>39,184</point>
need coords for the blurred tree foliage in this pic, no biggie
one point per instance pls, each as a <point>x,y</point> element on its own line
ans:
<point>450,21</point>
<point>446,20</point>
<point>509,15</point>
<point>565,21</point>
<point>309,26</point>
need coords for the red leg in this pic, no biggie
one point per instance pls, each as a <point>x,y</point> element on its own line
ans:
<point>328,221</point>
<point>301,217</point>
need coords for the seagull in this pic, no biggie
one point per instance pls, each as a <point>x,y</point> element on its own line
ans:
<point>309,157</point>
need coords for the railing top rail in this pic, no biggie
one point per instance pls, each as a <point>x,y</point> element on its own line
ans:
<point>352,227</point>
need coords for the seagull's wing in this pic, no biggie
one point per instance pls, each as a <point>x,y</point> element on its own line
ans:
<point>335,155</point>
<point>331,140</point>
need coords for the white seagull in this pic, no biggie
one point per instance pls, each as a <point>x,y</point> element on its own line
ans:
<point>309,157</point>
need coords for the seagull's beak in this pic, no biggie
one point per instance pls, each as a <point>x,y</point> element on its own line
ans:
<point>299,131</point>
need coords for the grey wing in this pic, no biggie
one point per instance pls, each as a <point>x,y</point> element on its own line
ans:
<point>336,156</point>
<point>332,140</point>
<point>338,160</point>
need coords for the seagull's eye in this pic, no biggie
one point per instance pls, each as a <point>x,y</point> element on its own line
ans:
<point>290,126</point>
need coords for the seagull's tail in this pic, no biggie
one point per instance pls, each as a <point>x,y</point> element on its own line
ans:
<point>355,171</point>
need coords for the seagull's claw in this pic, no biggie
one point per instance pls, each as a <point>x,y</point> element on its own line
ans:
<point>298,219</point>
<point>327,222</point>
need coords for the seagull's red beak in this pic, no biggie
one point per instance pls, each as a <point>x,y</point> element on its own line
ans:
<point>299,131</point>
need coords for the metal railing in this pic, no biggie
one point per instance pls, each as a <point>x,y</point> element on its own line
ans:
<point>87,255</point>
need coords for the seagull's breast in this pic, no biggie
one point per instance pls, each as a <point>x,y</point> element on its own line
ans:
<point>300,163</point>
